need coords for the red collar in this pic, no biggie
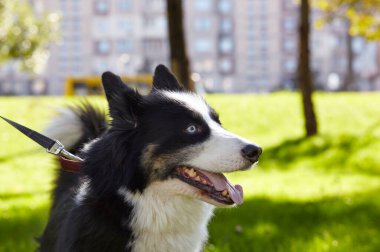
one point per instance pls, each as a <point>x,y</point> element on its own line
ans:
<point>69,165</point>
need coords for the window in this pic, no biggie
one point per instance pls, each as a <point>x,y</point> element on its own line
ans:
<point>76,47</point>
<point>76,25</point>
<point>289,4</point>
<point>76,6</point>
<point>154,22</point>
<point>124,5</point>
<point>125,25</point>
<point>225,65</point>
<point>358,45</point>
<point>101,25</point>
<point>148,20</point>
<point>63,6</point>
<point>225,6</point>
<point>290,65</point>
<point>203,45</point>
<point>124,46</point>
<point>102,47</point>
<point>161,22</point>
<point>76,67</point>
<point>263,49</point>
<point>264,6</point>
<point>203,5</point>
<point>75,37</point>
<point>202,24</point>
<point>226,45</point>
<point>153,45</point>
<point>263,28</point>
<point>226,25</point>
<point>289,44</point>
<point>290,24</point>
<point>155,3</point>
<point>101,7</point>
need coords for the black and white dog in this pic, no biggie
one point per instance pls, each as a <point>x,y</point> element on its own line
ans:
<point>149,181</point>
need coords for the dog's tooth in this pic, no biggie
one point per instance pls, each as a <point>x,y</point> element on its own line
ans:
<point>197,178</point>
<point>192,173</point>
<point>225,192</point>
<point>204,181</point>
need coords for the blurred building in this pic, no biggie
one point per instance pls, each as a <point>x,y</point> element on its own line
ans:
<point>234,46</point>
<point>125,36</point>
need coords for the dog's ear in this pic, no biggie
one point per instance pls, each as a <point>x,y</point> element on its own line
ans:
<point>165,80</point>
<point>123,101</point>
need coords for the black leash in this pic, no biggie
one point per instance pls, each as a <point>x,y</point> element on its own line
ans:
<point>51,146</point>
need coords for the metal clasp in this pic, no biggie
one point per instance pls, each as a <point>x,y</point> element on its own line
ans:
<point>56,148</point>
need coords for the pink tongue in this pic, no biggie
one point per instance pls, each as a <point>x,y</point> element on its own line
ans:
<point>221,182</point>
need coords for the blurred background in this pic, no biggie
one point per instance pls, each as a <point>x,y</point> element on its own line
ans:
<point>233,46</point>
<point>298,77</point>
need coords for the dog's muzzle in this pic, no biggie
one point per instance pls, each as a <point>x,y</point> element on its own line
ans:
<point>251,152</point>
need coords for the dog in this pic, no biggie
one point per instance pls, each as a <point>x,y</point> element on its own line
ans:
<point>151,179</point>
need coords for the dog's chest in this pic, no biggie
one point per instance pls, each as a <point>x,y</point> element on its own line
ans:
<point>175,224</point>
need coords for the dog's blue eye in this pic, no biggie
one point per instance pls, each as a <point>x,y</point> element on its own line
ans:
<point>192,129</point>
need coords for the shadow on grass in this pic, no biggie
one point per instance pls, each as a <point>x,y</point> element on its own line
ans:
<point>20,226</point>
<point>331,224</point>
<point>13,195</point>
<point>345,152</point>
<point>263,224</point>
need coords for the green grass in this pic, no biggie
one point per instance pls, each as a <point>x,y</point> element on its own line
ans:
<point>316,194</point>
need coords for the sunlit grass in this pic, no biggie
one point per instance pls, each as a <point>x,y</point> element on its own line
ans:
<point>317,194</point>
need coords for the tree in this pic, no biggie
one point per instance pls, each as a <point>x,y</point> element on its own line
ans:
<point>362,15</point>
<point>304,74</point>
<point>178,56</point>
<point>362,19</point>
<point>23,35</point>
<point>349,80</point>
<point>336,10</point>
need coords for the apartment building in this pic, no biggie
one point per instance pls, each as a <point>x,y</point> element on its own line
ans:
<point>125,36</point>
<point>234,46</point>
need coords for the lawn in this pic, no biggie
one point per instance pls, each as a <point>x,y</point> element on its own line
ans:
<point>316,194</point>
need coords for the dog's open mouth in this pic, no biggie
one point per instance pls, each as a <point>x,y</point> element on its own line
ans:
<point>214,185</point>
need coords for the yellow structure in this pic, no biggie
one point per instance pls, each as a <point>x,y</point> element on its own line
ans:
<point>93,85</point>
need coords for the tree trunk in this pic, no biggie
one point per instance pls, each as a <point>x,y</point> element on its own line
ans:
<point>376,78</point>
<point>178,57</point>
<point>349,79</point>
<point>304,73</point>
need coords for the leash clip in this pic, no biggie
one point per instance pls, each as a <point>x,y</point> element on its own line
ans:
<point>56,148</point>
<point>59,149</point>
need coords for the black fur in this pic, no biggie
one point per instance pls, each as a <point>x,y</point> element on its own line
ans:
<point>99,222</point>
<point>94,124</point>
<point>164,80</point>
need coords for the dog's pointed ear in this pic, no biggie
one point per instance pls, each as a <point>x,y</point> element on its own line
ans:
<point>123,101</point>
<point>163,79</point>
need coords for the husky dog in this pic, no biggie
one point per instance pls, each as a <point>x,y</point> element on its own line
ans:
<point>150,180</point>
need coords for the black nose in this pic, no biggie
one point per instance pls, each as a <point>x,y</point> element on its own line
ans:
<point>251,152</point>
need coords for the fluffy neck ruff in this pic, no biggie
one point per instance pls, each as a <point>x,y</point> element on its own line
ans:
<point>159,214</point>
<point>163,220</point>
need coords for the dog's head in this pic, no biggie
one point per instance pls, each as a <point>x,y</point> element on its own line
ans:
<point>178,139</point>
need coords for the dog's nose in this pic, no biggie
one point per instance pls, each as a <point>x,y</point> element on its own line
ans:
<point>251,152</point>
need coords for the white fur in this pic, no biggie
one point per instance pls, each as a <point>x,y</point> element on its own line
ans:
<point>167,217</point>
<point>65,127</point>
<point>88,145</point>
<point>82,191</point>
<point>222,151</point>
